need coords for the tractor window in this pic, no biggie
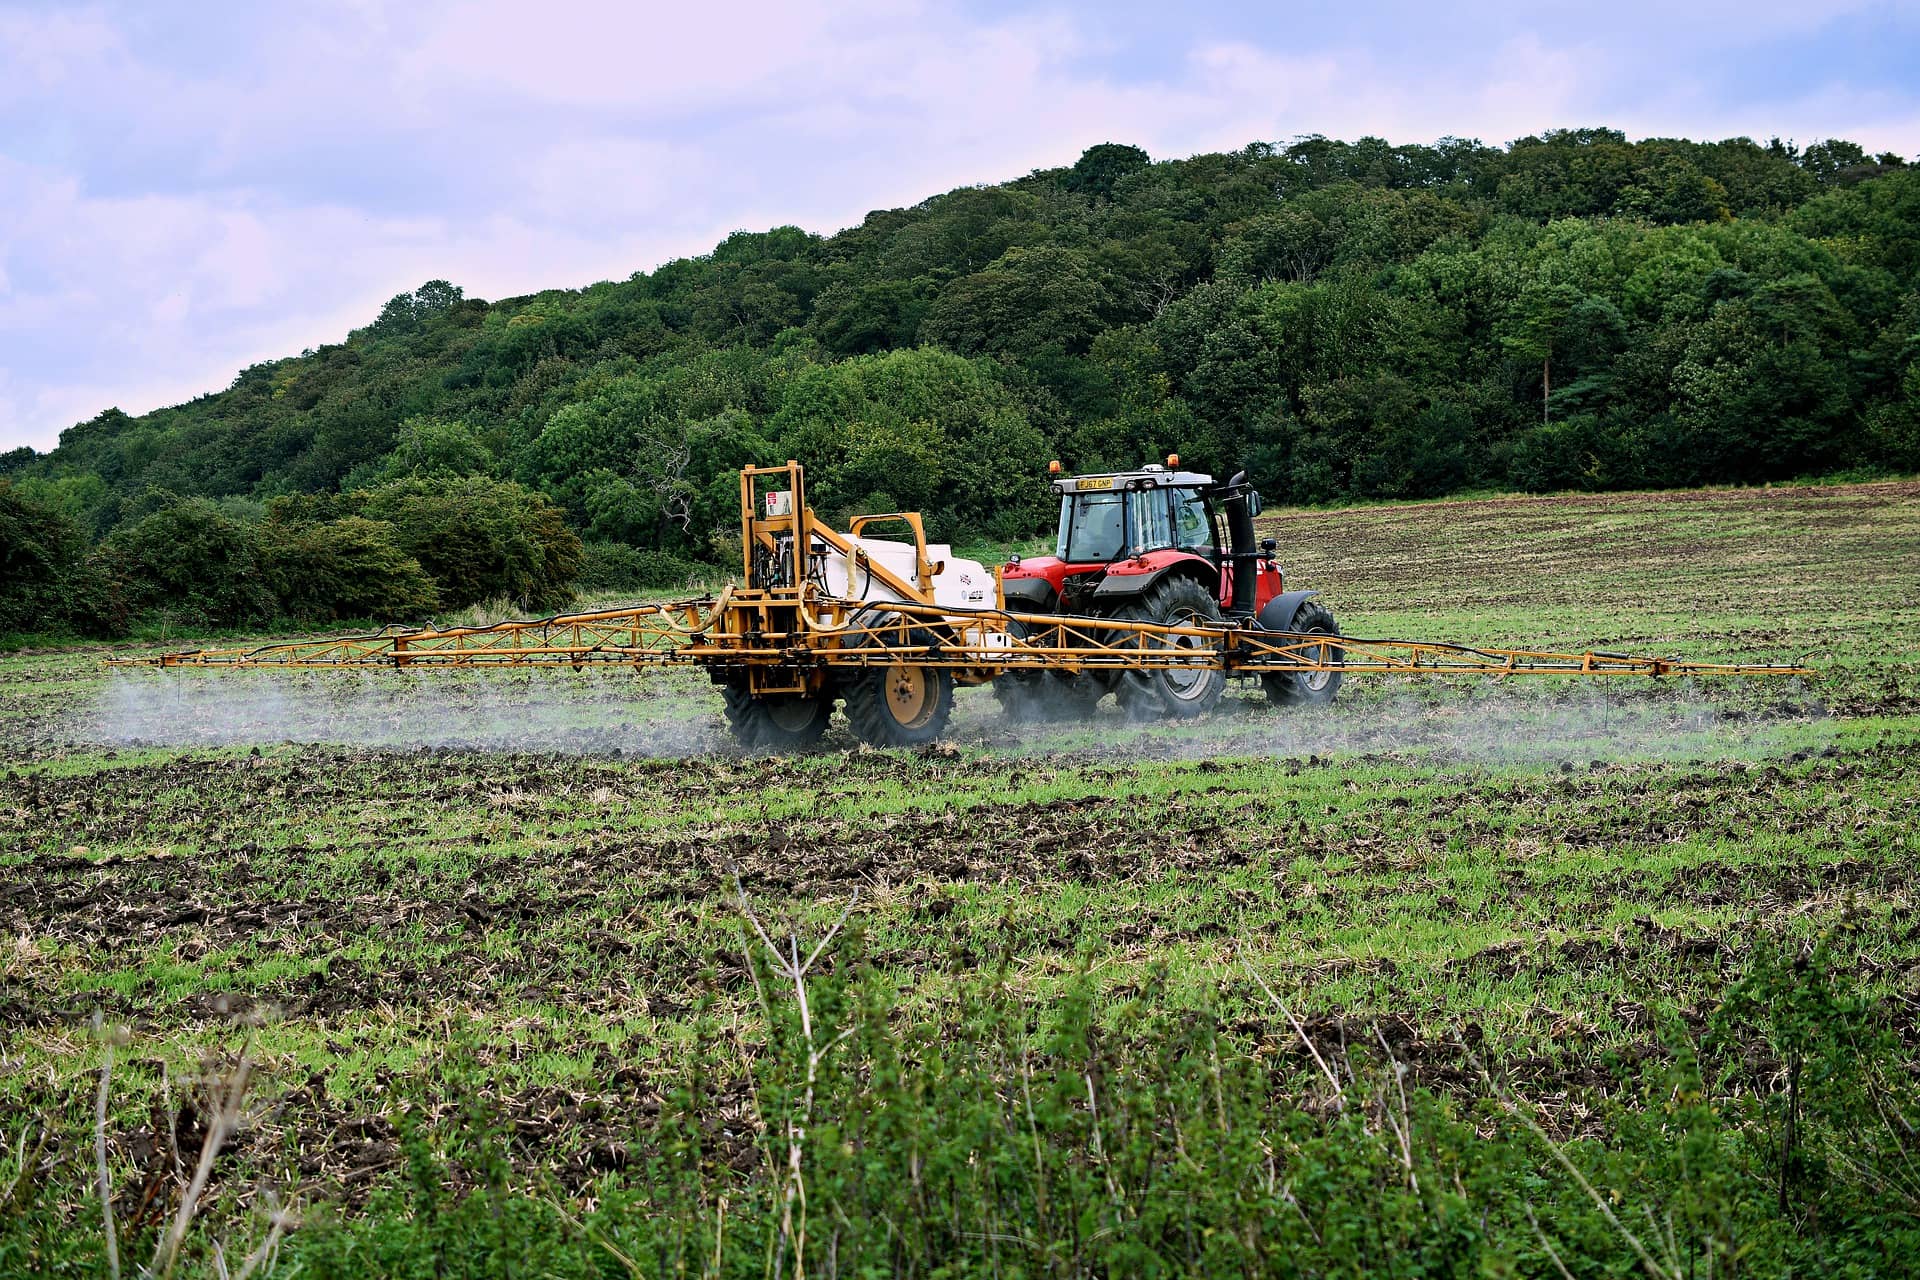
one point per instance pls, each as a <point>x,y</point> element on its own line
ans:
<point>1092,529</point>
<point>1191,526</point>
<point>1152,520</point>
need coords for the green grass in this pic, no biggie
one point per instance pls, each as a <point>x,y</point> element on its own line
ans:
<point>1561,873</point>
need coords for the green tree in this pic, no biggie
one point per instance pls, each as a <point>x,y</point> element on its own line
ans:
<point>49,580</point>
<point>192,560</point>
<point>1027,300</point>
<point>919,427</point>
<point>1101,168</point>
<point>433,447</point>
<point>480,539</point>
<point>347,568</point>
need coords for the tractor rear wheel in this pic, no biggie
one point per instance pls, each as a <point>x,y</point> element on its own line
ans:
<point>1307,688</point>
<point>776,721</point>
<point>1179,692</point>
<point>901,704</point>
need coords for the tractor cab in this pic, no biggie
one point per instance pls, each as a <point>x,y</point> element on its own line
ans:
<point>1104,518</point>
<point>1123,532</point>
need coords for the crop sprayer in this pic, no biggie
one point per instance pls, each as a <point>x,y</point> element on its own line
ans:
<point>1143,598</point>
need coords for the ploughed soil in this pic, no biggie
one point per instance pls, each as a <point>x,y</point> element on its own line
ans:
<point>437,888</point>
<point>501,904</point>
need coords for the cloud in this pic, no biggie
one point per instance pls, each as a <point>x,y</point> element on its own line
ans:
<point>182,196</point>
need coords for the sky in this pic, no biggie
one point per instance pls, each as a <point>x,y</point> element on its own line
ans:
<point>188,187</point>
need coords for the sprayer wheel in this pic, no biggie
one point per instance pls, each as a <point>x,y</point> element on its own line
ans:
<point>1307,688</point>
<point>776,722</point>
<point>1177,692</point>
<point>900,704</point>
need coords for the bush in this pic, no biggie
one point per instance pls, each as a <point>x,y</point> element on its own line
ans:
<point>49,581</point>
<point>615,566</point>
<point>431,447</point>
<point>193,559</point>
<point>350,568</point>
<point>481,539</point>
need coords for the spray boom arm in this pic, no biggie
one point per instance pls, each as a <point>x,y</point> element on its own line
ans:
<point>790,628</point>
<point>726,632</point>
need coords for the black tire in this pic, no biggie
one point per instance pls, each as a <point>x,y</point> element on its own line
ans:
<point>1174,692</point>
<point>1029,697</point>
<point>1307,688</point>
<point>776,721</point>
<point>1021,694</point>
<point>902,704</point>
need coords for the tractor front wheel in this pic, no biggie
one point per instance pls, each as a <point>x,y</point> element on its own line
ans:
<point>1307,688</point>
<point>1176,691</point>
<point>776,721</point>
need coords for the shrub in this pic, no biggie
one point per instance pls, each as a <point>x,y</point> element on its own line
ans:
<point>481,539</point>
<point>350,568</point>
<point>615,566</point>
<point>49,581</point>
<point>190,557</point>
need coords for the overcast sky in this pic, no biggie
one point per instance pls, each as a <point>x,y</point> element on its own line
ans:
<point>189,187</point>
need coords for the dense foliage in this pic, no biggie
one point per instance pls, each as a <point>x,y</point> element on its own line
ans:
<point>49,581</point>
<point>392,553</point>
<point>1348,320</point>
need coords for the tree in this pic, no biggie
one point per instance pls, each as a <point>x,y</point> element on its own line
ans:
<point>921,427</point>
<point>433,447</point>
<point>480,539</point>
<point>1100,168</point>
<point>1532,327</point>
<point>194,561</point>
<point>1028,299</point>
<point>49,582</point>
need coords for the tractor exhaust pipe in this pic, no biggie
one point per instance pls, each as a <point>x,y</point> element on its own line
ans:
<point>1243,554</point>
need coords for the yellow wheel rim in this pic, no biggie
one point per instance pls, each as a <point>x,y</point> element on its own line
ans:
<point>911,695</point>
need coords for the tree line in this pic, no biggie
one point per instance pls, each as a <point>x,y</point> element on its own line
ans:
<point>1347,320</point>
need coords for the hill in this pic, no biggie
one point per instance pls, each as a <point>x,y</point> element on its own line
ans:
<point>1347,320</point>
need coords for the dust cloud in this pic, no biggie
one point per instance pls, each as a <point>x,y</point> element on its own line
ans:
<point>1545,723</point>
<point>677,715</point>
<point>589,712</point>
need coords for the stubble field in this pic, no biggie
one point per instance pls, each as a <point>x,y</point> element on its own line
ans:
<point>1446,978</point>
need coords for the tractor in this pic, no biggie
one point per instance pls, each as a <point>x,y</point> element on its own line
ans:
<point>1142,598</point>
<point>1146,546</point>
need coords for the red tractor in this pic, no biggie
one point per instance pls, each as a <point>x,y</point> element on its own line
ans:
<point>1146,546</point>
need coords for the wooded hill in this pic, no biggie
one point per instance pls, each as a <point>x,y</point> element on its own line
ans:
<point>1345,320</point>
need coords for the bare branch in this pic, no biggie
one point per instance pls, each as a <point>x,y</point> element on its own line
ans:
<point>226,1119</point>
<point>100,1157</point>
<point>832,932</point>
<point>1547,1244</point>
<point>1515,1109</point>
<point>1297,1029</point>
<point>1403,1128</point>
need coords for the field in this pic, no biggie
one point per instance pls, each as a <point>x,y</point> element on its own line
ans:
<point>1446,979</point>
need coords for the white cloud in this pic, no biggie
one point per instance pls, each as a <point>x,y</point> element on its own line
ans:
<point>162,226</point>
<point>41,51</point>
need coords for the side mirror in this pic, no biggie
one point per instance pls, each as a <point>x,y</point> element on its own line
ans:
<point>1253,504</point>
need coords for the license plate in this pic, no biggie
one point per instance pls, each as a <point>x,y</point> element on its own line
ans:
<point>1094,482</point>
